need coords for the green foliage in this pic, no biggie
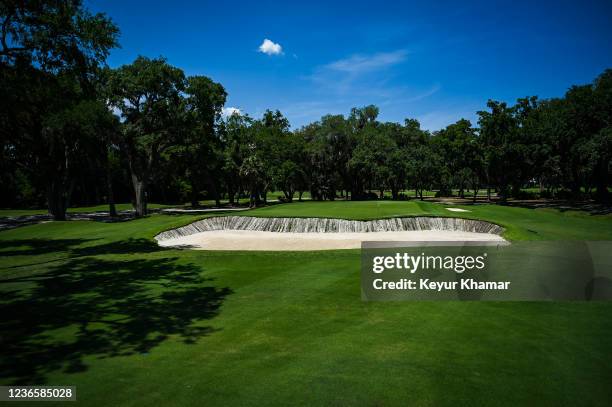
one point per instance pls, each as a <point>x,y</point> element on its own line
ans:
<point>148,94</point>
<point>50,54</point>
<point>55,35</point>
<point>458,148</point>
<point>199,154</point>
<point>170,142</point>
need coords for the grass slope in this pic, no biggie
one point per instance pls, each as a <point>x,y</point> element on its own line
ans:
<point>100,306</point>
<point>520,223</point>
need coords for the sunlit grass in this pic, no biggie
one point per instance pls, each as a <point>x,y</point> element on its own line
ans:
<point>101,307</point>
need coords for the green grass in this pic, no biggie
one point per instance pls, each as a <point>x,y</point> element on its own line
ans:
<point>101,307</point>
<point>520,223</point>
<point>81,209</point>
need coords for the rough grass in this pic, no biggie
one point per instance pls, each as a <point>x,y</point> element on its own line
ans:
<point>80,209</point>
<point>100,306</point>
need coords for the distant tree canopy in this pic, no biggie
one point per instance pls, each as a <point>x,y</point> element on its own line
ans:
<point>75,132</point>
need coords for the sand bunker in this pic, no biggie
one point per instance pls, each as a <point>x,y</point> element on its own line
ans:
<point>295,234</point>
<point>258,240</point>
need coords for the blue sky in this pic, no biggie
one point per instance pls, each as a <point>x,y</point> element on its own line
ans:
<point>434,61</point>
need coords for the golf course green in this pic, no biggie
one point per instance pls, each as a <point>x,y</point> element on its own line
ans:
<point>101,307</point>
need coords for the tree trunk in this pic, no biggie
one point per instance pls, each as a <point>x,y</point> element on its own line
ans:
<point>194,194</point>
<point>601,182</point>
<point>253,196</point>
<point>215,192</point>
<point>300,196</point>
<point>230,195</point>
<point>140,196</point>
<point>112,210</point>
<point>601,193</point>
<point>288,195</point>
<point>57,199</point>
<point>97,199</point>
<point>502,193</point>
<point>254,199</point>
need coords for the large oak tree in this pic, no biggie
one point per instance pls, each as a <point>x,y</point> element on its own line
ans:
<point>50,53</point>
<point>148,95</point>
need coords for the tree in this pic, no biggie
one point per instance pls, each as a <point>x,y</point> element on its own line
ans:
<point>235,138</point>
<point>320,163</point>
<point>74,139</point>
<point>457,145</point>
<point>361,122</point>
<point>335,151</point>
<point>270,138</point>
<point>200,152</point>
<point>498,129</point>
<point>370,158</point>
<point>423,168</point>
<point>397,172</point>
<point>253,171</point>
<point>362,116</point>
<point>602,140</point>
<point>148,93</point>
<point>288,176</point>
<point>50,52</point>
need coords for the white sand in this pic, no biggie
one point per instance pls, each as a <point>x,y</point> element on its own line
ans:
<point>457,210</point>
<point>258,240</point>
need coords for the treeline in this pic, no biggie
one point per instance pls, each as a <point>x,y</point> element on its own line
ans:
<point>74,131</point>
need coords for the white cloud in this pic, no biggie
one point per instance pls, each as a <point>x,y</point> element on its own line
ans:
<point>357,64</point>
<point>359,74</point>
<point>270,47</point>
<point>228,111</point>
<point>404,95</point>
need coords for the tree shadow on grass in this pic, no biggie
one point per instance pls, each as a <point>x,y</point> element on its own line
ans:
<point>75,247</point>
<point>36,247</point>
<point>96,307</point>
<point>592,208</point>
<point>70,248</point>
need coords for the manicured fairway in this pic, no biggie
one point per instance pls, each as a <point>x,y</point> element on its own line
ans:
<point>100,306</point>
